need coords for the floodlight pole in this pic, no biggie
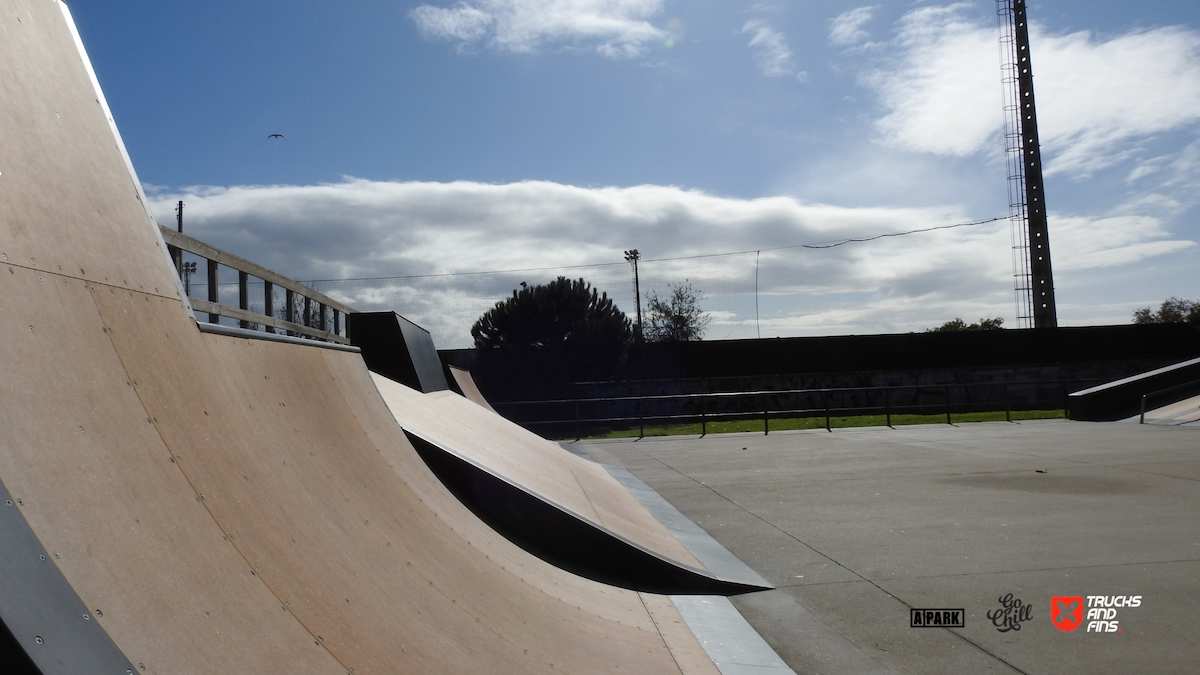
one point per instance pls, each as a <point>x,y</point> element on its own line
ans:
<point>632,256</point>
<point>1029,205</point>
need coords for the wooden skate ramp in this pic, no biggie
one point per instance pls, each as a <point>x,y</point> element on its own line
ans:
<point>467,387</point>
<point>561,507</point>
<point>229,505</point>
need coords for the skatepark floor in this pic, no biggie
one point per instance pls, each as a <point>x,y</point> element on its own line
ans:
<point>858,526</point>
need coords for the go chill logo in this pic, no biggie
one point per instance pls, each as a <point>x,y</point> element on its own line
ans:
<point>1067,611</point>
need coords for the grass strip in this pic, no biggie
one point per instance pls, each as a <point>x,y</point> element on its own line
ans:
<point>835,422</point>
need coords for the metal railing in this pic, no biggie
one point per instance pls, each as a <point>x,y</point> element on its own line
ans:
<point>1194,386</point>
<point>629,411</point>
<point>305,312</point>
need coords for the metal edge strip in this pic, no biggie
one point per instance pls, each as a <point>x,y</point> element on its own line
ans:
<point>41,608</point>
<point>245,333</point>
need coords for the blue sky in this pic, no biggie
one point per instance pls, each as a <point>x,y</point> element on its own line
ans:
<point>435,137</point>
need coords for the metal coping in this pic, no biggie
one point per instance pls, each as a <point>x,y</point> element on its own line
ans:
<point>716,558</point>
<point>230,331</point>
<point>41,608</point>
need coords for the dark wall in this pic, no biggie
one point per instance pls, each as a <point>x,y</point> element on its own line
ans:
<point>966,349</point>
<point>1077,353</point>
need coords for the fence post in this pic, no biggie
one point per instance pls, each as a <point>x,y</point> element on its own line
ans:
<point>213,292</point>
<point>766,424</point>
<point>825,400</point>
<point>641,419</point>
<point>1007,405</point>
<point>577,434</point>
<point>887,406</point>
<point>1142,417</point>
<point>269,303</point>
<point>243,295</point>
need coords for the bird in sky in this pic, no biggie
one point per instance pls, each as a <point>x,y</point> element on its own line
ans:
<point>276,136</point>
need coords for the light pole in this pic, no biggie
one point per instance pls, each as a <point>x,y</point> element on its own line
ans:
<point>632,256</point>
<point>189,268</point>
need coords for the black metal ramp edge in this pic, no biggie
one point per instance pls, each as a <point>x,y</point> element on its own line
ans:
<point>1122,398</point>
<point>52,631</point>
<point>562,538</point>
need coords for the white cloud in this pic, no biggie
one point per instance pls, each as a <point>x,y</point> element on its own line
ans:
<point>1097,97</point>
<point>943,94</point>
<point>364,229</point>
<point>846,29</point>
<point>772,54</point>
<point>611,27</point>
<point>1080,243</point>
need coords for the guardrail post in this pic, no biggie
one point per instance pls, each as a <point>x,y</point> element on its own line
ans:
<point>213,292</point>
<point>269,303</point>
<point>289,299</point>
<point>703,423</point>
<point>243,295</point>
<point>825,400</point>
<point>1007,405</point>
<point>1142,417</point>
<point>641,420</point>
<point>887,406</point>
<point>766,424</point>
<point>946,393</point>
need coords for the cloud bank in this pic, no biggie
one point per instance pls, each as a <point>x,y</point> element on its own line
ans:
<point>368,229</point>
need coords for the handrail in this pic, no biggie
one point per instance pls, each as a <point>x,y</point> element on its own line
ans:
<point>177,242</point>
<point>1185,385</point>
<point>765,412</point>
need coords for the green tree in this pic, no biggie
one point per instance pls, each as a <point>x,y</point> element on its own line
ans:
<point>1172,310</point>
<point>678,317</point>
<point>956,324</point>
<point>561,331</point>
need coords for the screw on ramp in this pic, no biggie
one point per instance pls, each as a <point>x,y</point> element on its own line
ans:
<point>223,504</point>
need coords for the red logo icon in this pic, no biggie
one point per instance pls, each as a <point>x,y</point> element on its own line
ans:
<point>1066,612</point>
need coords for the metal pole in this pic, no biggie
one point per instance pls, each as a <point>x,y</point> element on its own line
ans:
<point>633,256</point>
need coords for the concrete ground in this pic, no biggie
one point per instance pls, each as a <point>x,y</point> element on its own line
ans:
<point>858,526</point>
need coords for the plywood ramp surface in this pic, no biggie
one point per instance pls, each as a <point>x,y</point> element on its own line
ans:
<point>536,464</point>
<point>228,505</point>
<point>470,390</point>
